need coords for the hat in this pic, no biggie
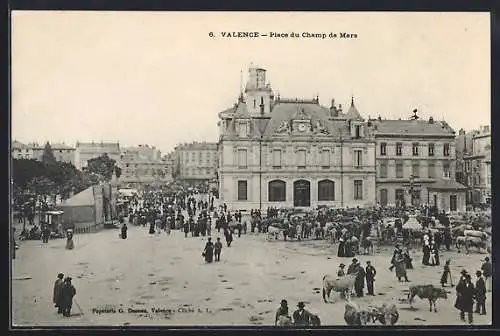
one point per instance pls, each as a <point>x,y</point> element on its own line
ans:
<point>68,279</point>
<point>60,275</point>
<point>368,262</point>
<point>285,302</point>
<point>463,272</point>
<point>354,260</point>
<point>487,259</point>
<point>341,265</point>
<point>479,273</point>
<point>301,304</point>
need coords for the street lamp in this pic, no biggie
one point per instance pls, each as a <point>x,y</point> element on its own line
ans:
<point>262,122</point>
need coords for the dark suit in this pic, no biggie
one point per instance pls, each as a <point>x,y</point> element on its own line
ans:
<point>370,278</point>
<point>301,319</point>
<point>480,296</point>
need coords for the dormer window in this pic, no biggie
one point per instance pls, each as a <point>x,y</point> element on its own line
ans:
<point>242,130</point>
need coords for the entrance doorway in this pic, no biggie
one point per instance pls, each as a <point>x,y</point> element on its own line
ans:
<point>301,193</point>
<point>453,202</point>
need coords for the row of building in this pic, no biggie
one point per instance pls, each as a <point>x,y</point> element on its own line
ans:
<point>298,153</point>
<point>142,164</point>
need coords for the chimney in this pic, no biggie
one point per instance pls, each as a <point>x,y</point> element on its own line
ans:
<point>431,120</point>
<point>461,132</point>
<point>340,108</point>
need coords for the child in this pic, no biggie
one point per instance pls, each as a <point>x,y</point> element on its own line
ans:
<point>446,274</point>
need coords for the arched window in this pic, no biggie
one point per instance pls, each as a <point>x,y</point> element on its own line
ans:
<point>326,190</point>
<point>277,191</point>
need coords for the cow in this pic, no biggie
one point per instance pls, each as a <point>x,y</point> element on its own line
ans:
<point>385,314</point>
<point>273,232</point>
<point>354,316</point>
<point>428,292</point>
<point>469,241</point>
<point>343,285</point>
<point>367,245</point>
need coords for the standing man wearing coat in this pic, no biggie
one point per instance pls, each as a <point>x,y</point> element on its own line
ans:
<point>370,277</point>
<point>56,298</point>
<point>68,291</point>
<point>480,294</point>
<point>465,298</point>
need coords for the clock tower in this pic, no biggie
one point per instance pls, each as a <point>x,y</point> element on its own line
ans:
<point>259,95</point>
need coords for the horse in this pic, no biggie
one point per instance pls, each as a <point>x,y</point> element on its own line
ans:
<point>343,285</point>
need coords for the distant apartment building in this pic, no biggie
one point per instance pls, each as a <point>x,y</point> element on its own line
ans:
<point>20,150</point>
<point>143,152</point>
<point>62,152</point>
<point>142,165</point>
<point>477,167</point>
<point>85,151</point>
<point>196,162</point>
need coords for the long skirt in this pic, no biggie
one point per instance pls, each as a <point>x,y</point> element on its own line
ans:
<point>209,255</point>
<point>400,269</point>
<point>69,244</point>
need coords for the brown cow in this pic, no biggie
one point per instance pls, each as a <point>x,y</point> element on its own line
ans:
<point>354,316</point>
<point>428,292</point>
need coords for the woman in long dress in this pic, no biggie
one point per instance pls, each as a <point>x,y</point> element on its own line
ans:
<point>208,252</point>
<point>341,250</point>
<point>400,263</point>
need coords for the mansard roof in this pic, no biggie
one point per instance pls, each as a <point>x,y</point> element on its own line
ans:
<point>412,127</point>
<point>287,111</point>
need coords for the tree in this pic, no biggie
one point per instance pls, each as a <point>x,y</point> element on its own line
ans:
<point>102,165</point>
<point>48,157</point>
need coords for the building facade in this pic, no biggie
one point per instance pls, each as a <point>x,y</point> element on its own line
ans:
<point>143,152</point>
<point>20,150</point>
<point>477,166</point>
<point>276,152</point>
<point>62,152</point>
<point>142,165</point>
<point>413,156</point>
<point>85,151</point>
<point>196,162</point>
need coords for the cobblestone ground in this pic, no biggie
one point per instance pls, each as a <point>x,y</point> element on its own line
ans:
<point>146,272</point>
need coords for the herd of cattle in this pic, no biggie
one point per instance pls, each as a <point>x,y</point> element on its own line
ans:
<point>385,314</point>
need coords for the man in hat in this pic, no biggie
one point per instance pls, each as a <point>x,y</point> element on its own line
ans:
<point>301,317</point>
<point>486,268</point>
<point>69,240</point>
<point>57,292</point>
<point>370,273</point>
<point>480,294</point>
<point>465,298</point>
<point>282,311</point>
<point>353,266</point>
<point>359,283</point>
<point>341,272</point>
<point>68,291</point>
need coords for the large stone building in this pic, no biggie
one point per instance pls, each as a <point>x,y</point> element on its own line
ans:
<point>144,152</point>
<point>297,153</point>
<point>62,152</point>
<point>196,162</point>
<point>142,165</point>
<point>293,152</point>
<point>416,164</point>
<point>85,151</point>
<point>20,150</point>
<point>477,167</point>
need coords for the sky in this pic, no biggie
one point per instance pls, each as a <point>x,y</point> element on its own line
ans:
<point>158,78</point>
